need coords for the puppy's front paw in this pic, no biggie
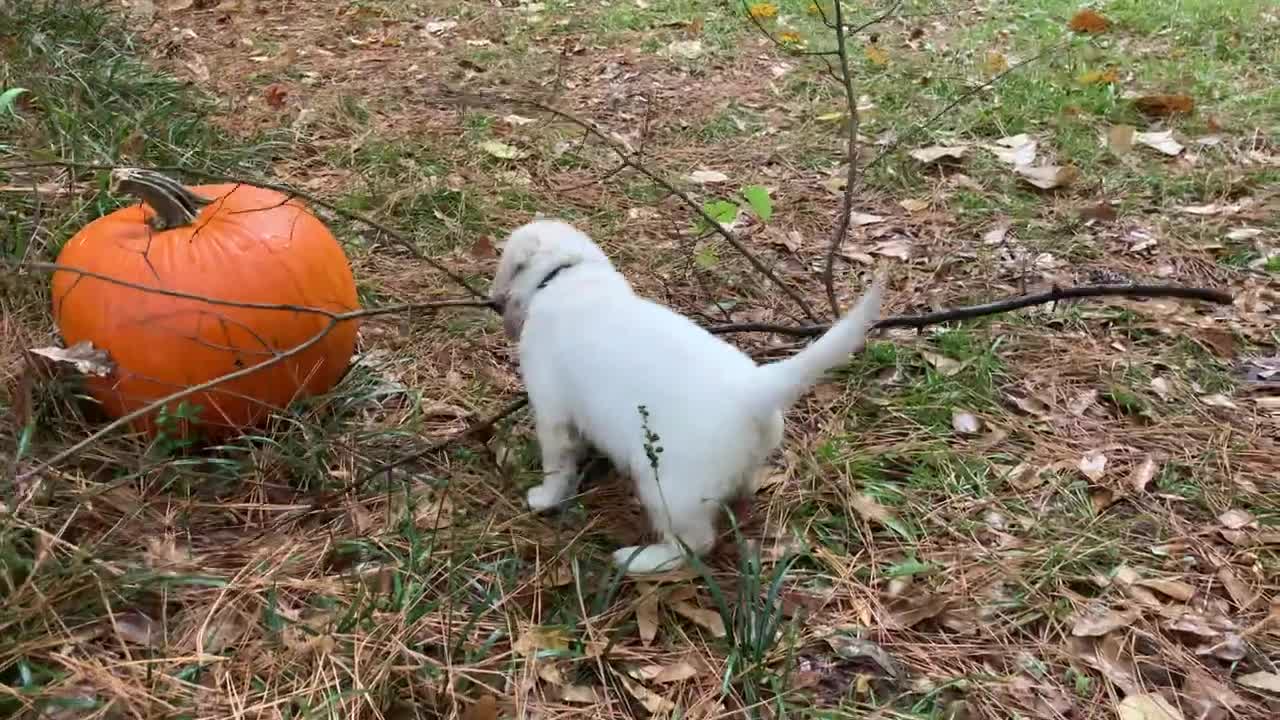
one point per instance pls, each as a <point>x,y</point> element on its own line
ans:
<point>649,559</point>
<point>542,498</point>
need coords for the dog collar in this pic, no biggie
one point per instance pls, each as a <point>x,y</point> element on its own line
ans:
<point>551,275</point>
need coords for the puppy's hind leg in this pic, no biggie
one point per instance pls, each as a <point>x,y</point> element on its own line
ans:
<point>562,448</point>
<point>694,525</point>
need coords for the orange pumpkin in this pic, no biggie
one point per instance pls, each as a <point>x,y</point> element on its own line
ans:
<point>229,242</point>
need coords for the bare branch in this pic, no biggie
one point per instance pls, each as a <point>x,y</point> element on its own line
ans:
<point>628,157</point>
<point>851,151</point>
<point>999,306</point>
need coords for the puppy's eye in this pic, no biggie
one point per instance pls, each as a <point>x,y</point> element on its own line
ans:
<point>519,269</point>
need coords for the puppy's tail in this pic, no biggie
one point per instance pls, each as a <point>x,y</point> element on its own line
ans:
<point>783,382</point>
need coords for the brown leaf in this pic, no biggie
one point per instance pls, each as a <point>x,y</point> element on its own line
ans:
<point>675,672</point>
<point>872,511</point>
<point>943,364</point>
<point>1048,177</point>
<point>1173,588</point>
<point>1120,138</point>
<point>1088,21</point>
<point>899,248</point>
<point>876,55</point>
<point>1142,475</point>
<point>536,638</point>
<point>995,63</point>
<point>1093,465</point>
<point>1165,105</point>
<point>1147,706</point>
<point>1263,680</point>
<point>483,249</point>
<point>1082,402</point>
<point>1108,656</point>
<point>934,153</point>
<point>647,615</point>
<point>1032,405</point>
<point>1099,77</point>
<point>709,619</point>
<point>276,95</point>
<point>579,694</point>
<point>139,629</point>
<point>854,648</point>
<point>1162,141</point>
<point>907,614</point>
<point>651,701</point>
<point>486,708</point>
<point>1101,623</point>
<point>1235,519</point>
<point>1238,591</point>
<point>83,357</point>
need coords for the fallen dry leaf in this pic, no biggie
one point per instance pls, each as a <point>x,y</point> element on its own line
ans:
<point>876,55</point>
<point>1162,141</point>
<point>872,511</point>
<point>1235,519</point>
<point>913,205</point>
<point>536,638</point>
<point>703,177</point>
<point>1240,234</point>
<point>83,356</point>
<point>1142,475</point>
<point>579,694</point>
<point>1238,591</point>
<point>1093,464</point>
<point>486,708</point>
<point>1088,21</point>
<point>995,63</point>
<point>1103,622</point>
<point>1015,150</point>
<point>1173,588</point>
<point>1048,177</point>
<point>899,248</point>
<point>934,153</point>
<point>501,150</point>
<point>647,615</point>
<point>1161,387</point>
<point>687,49</point>
<point>276,95</point>
<point>1031,405</point>
<point>1219,400</point>
<point>675,672</point>
<point>965,422</point>
<point>1102,212</point>
<point>1120,138</point>
<point>1083,402</point>
<point>482,248</point>
<point>860,219</point>
<point>1147,706</point>
<point>943,364</point>
<point>1109,656</point>
<point>1099,77</point>
<point>909,613</point>
<point>1165,105</point>
<point>855,648</point>
<point>708,619</point>
<point>651,701</point>
<point>1263,680</point>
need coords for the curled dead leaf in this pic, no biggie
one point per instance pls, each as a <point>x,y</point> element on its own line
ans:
<point>1162,141</point>
<point>1165,105</point>
<point>1147,706</point>
<point>83,357</point>
<point>1102,622</point>
<point>1142,475</point>
<point>1236,519</point>
<point>1175,589</point>
<point>1048,177</point>
<point>935,153</point>
<point>1088,21</point>
<point>708,619</point>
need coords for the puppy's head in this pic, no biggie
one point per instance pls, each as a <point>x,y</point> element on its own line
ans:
<point>532,253</point>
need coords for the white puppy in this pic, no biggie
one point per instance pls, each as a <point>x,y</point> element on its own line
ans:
<point>592,352</point>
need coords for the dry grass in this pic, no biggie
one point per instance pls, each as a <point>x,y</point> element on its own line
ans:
<point>889,565</point>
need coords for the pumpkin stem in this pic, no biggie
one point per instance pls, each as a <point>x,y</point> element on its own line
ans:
<point>174,204</point>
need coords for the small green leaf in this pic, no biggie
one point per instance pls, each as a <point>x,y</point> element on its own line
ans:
<point>758,196</point>
<point>722,211</point>
<point>707,257</point>
<point>9,100</point>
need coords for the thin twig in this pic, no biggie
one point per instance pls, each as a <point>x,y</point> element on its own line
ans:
<point>851,151</point>
<point>628,157</point>
<point>334,319</point>
<point>278,187</point>
<point>992,308</point>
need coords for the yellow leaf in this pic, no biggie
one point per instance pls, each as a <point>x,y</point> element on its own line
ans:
<point>876,55</point>
<point>536,638</point>
<point>1098,77</point>
<point>995,63</point>
<point>763,11</point>
<point>830,117</point>
<point>790,37</point>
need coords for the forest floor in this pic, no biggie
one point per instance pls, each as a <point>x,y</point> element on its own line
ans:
<point>1067,511</point>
